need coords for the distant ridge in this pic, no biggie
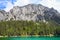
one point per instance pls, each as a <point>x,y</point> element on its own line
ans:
<point>35,12</point>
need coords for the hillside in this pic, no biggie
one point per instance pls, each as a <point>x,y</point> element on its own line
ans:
<point>35,12</point>
<point>28,20</point>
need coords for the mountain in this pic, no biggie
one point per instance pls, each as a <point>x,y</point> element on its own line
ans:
<point>35,12</point>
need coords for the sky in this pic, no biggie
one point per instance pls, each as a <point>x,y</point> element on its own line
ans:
<point>9,4</point>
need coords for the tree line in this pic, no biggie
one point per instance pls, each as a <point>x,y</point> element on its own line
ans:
<point>18,28</point>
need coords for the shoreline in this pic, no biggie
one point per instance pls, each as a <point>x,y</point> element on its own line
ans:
<point>28,36</point>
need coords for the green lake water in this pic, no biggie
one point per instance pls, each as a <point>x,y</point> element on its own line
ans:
<point>30,38</point>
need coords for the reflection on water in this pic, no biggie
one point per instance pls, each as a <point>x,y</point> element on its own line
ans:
<point>30,38</point>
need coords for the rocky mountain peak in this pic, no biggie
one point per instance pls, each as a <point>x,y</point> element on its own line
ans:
<point>35,12</point>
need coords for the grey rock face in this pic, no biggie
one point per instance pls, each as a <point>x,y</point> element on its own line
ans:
<point>2,15</point>
<point>35,12</point>
<point>28,12</point>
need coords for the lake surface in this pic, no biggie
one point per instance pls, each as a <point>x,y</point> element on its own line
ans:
<point>30,38</point>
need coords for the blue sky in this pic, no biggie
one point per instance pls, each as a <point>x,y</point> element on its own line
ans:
<point>8,4</point>
<point>3,3</point>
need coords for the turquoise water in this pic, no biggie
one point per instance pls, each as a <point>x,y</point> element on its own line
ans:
<point>30,38</point>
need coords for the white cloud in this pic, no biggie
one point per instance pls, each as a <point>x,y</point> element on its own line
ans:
<point>48,3</point>
<point>21,2</point>
<point>51,3</point>
<point>9,6</point>
<point>25,2</point>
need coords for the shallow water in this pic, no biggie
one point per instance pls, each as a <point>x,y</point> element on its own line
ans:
<point>30,38</point>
